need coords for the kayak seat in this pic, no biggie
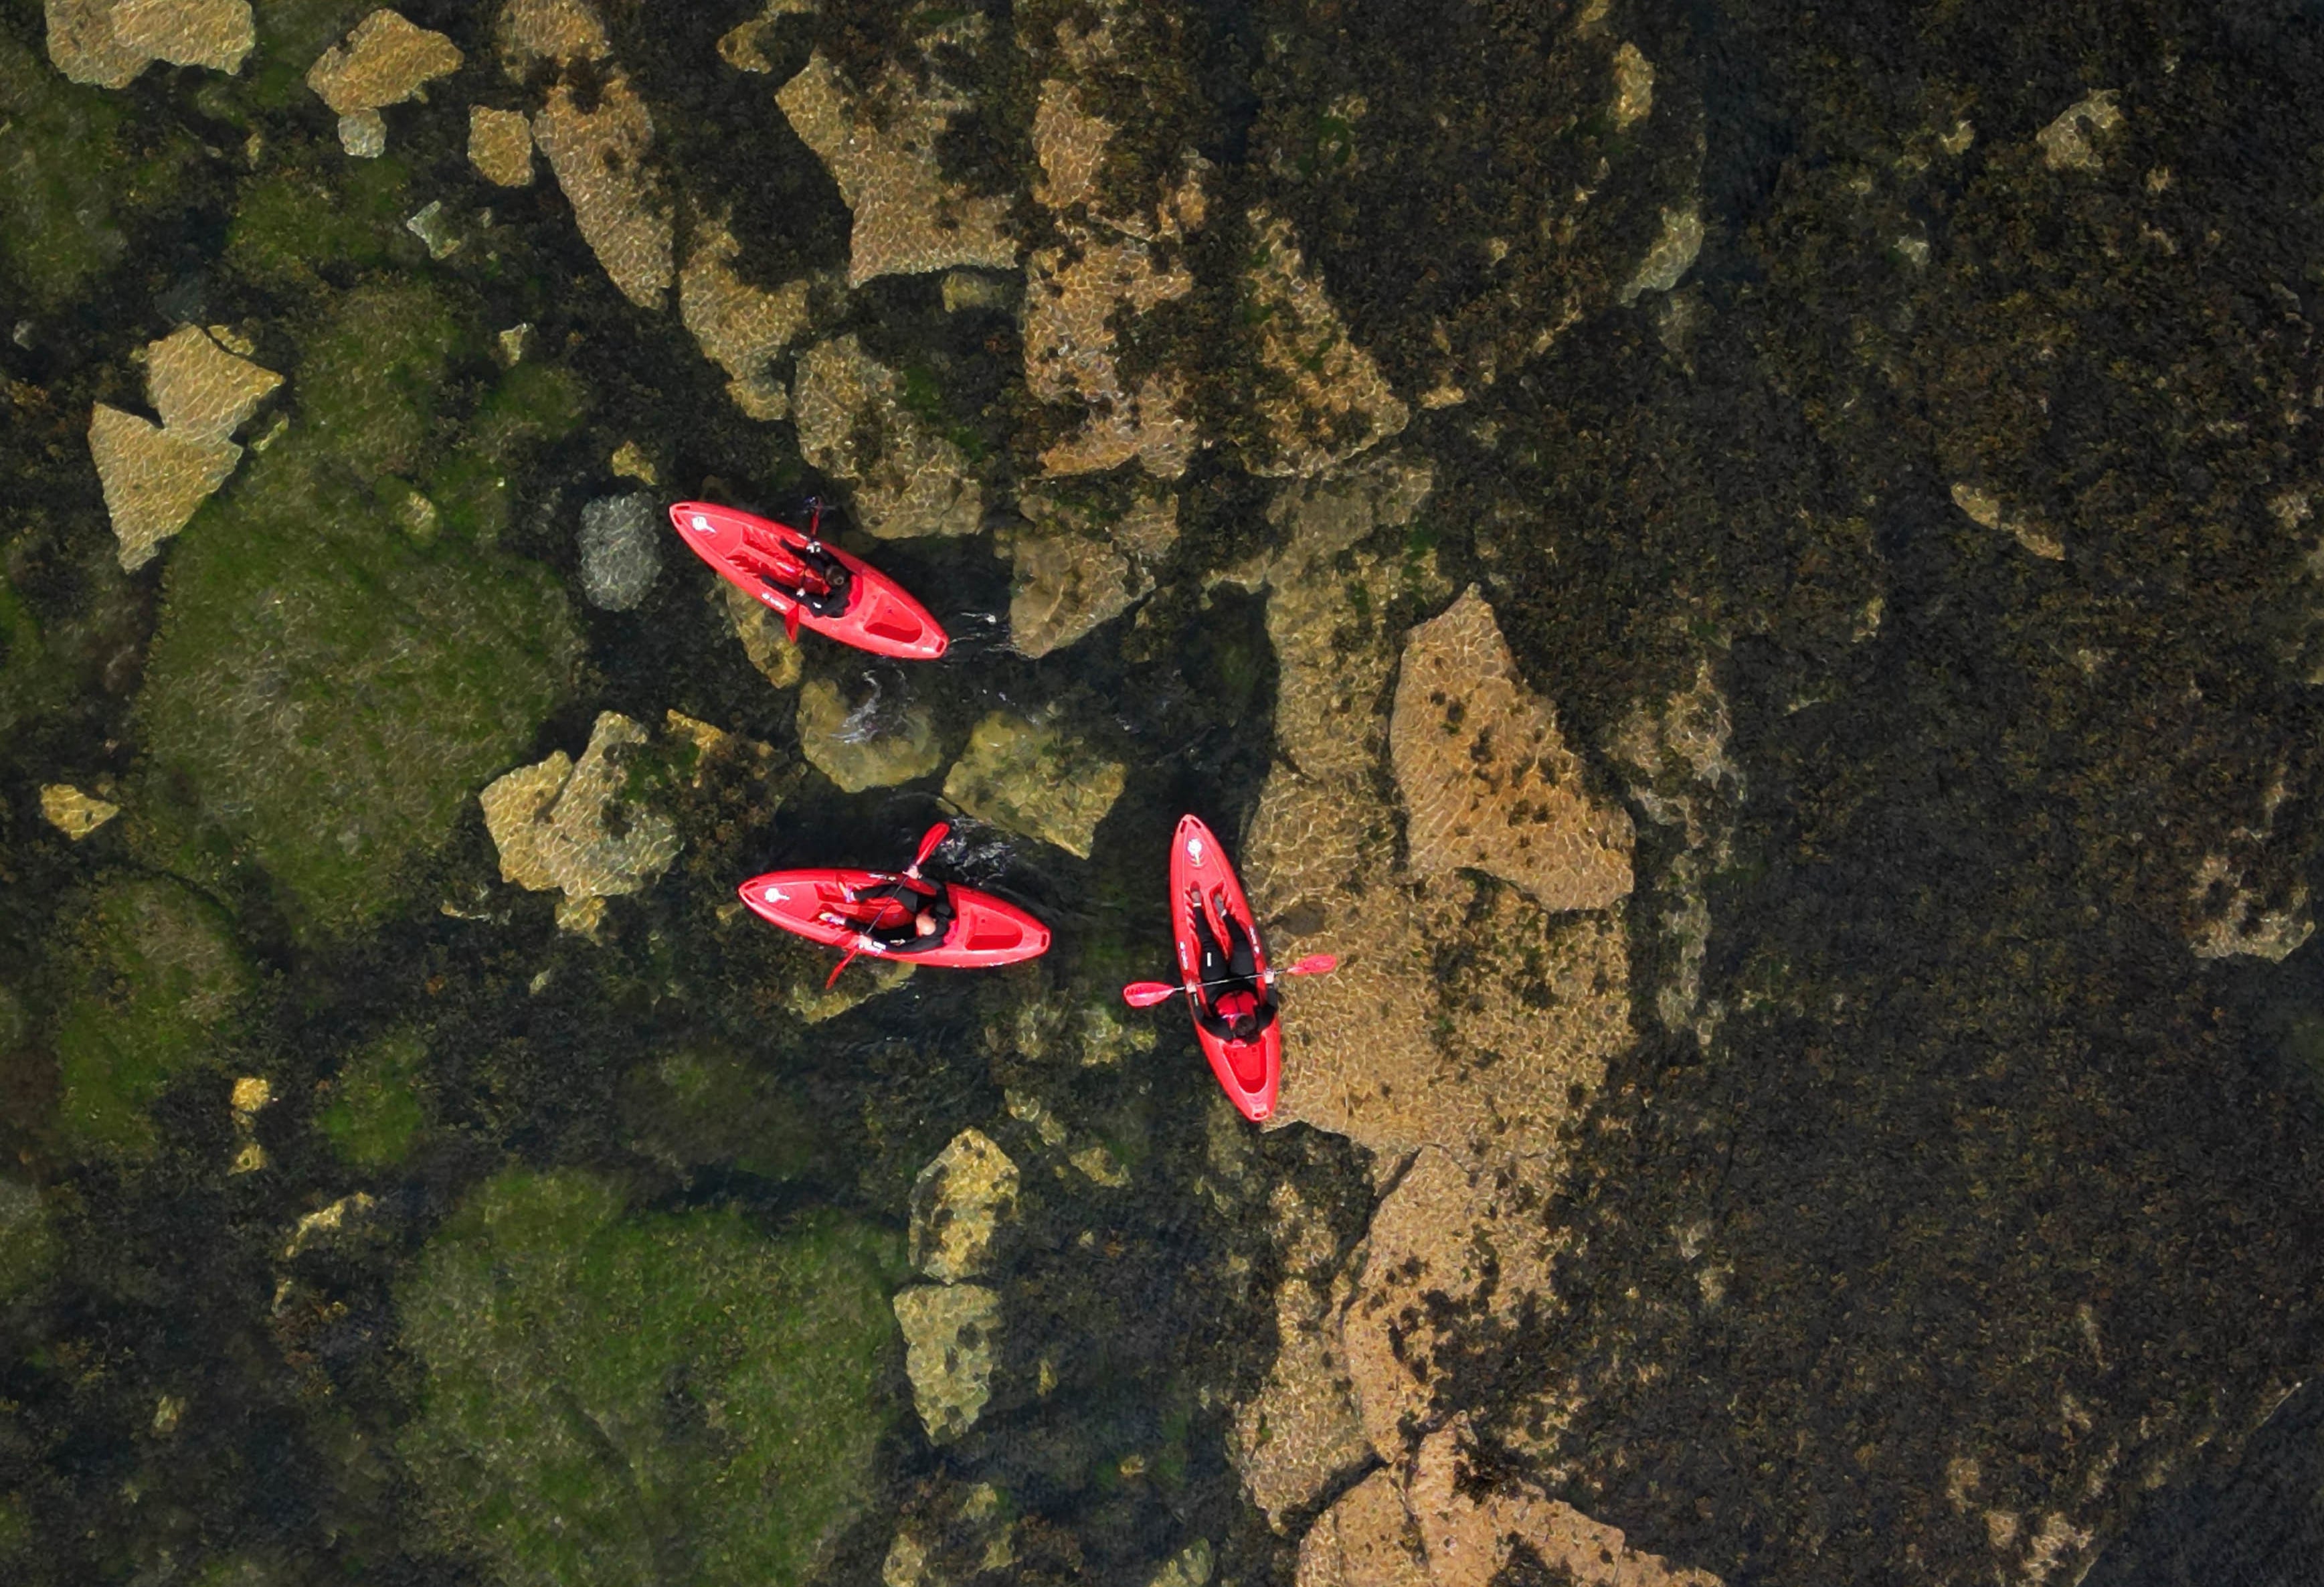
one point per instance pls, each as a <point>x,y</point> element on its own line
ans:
<point>794,572</point>
<point>905,940</point>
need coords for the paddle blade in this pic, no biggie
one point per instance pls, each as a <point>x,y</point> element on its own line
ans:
<point>1145,994</point>
<point>930,841</point>
<point>831,979</point>
<point>1315,964</point>
<point>790,624</point>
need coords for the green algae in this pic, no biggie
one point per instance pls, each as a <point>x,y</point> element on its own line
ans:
<point>289,224</point>
<point>370,383</point>
<point>375,1112</point>
<point>290,33</point>
<point>155,979</point>
<point>652,1398</point>
<point>27,1246</point>
<point>30,682</point>
<point>326,691</point>
<point>72,180</point>
<point>700,1105</point>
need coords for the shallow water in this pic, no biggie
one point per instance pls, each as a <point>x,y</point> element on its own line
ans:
<point>1885,445</point>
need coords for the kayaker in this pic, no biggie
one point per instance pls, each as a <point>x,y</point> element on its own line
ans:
<point>817,577</point>
<point>1234,1006</point>
<point>909,913</point>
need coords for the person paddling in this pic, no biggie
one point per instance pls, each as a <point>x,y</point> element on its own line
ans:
<point>898,913</point>
<point>907,913</point>
<point>809,574</point>
<point>1241,1007</point>
<point>891,914</point>
<point>1224,974</point>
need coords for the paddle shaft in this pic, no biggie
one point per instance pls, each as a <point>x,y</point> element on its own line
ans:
<point>1145,994</point>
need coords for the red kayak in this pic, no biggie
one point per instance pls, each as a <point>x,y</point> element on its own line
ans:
<point>896,915</point>
<point>1234,1007</point>
<point>1205,895</point>
<point>809,583</point>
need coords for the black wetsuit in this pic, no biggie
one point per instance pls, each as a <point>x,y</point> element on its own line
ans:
<point>1224,970</point>
<point>906,937</point>
<point>838,584</point>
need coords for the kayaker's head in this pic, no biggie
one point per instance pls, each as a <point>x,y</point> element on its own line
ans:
<point>923,923</point>
<point>1239,1010</point>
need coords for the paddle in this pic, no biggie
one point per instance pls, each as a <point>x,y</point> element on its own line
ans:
<point>930,841</point>
<point>1145,994</point>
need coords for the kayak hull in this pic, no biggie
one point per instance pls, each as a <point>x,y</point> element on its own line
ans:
<point>985,931</point>
<point>880,617</point>
<point>1249,1072</point>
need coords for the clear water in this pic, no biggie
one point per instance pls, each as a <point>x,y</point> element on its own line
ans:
<point>2010,1194</point>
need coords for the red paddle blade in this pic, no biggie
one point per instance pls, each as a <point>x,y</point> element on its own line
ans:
<point>790,624</point>
<point>831,979</point>
<point>1145,994</point>
<point>930,841</point>
<point>1315,964</point>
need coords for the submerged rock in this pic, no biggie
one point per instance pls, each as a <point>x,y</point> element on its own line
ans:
<point>324,693</point>
<point>598,136</point>
<point>2230,918</point>
<point>1464,1013</point>
<point>959,1202</point>
<point>1487,781</point>
<point>570,826</point>
<point>199,387</point>
<point>362,134</point>
<point>882,148</point>
<point>499,146</point>
<point>598,1383</point>
<point>386,60</point>
<point>741,328</point>
<point>74,813</point>
<point>1034,778</point>
<point>155,476</point>
<point>1444,1524</point>
<point>742,46</point>
<point>876,744</point>
<point>1072,299</point>
<point>763,635</point>
<point>108,42</point>
<point>620,549</point>
<point>154,481</point>
<point>952,1339</point>
<point>815,998</point>
<point>1669,257</point>
<point>156,979</point>
<point>1080,566</point>
<point>320,1225</point>
<point>1302,1432</point>
<point>2067,141</point>
<point>1107,268</point>
<point>947,1534</point>
<point>1984,508</point>
<point>1452,1240</point>
<point>906,478</point>
<point>1327,400</point>
<point>1189,1567</point>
